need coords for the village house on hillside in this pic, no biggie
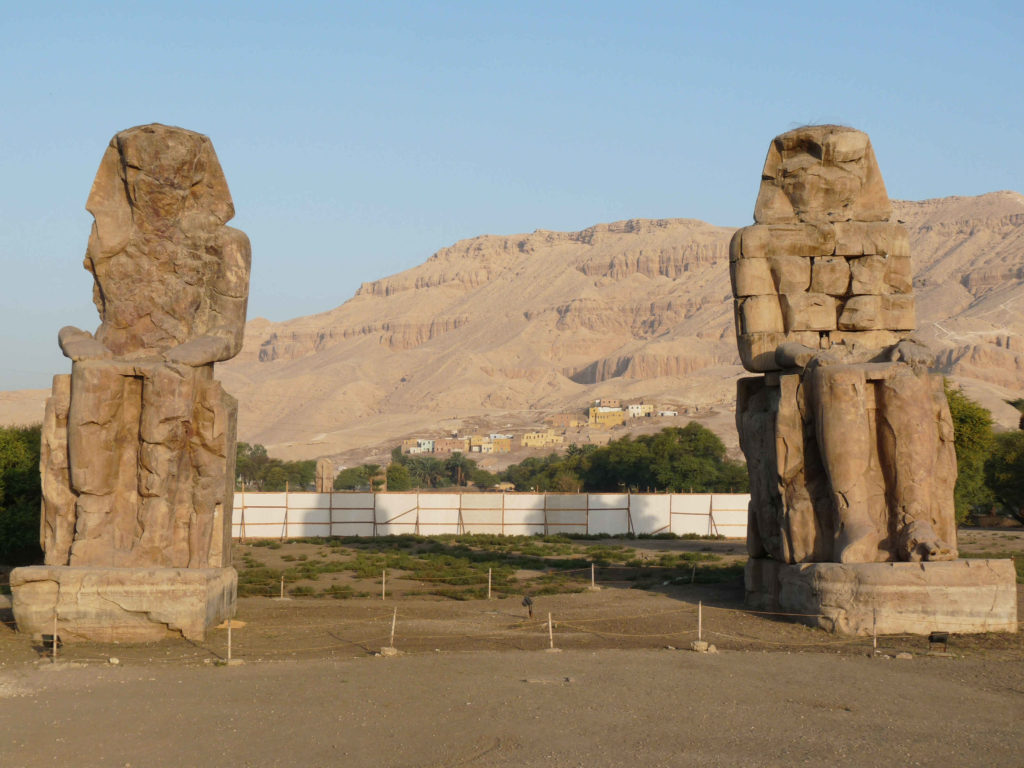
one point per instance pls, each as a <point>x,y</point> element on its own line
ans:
<point>603,414</point>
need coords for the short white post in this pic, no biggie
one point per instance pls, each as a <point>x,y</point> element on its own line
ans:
<point>551,633</point>
<point>55,637</point>
<point>394,617</point>
<point>593,580</point>
<point>874,630</point>
<point>282,586</point>
<point>488,583</point>
<point>700,619</point>
<point>383,584</point>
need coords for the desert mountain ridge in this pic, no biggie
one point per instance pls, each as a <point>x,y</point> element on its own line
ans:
<point>496,332</point>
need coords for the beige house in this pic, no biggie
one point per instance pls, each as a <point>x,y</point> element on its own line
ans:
<point>565,420</point>
<point>541,439</point>
<point>451,445</point>
<point>640,410</point>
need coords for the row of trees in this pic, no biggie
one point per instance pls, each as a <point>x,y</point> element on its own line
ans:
<point>406,473</point>
<point>256,471</point>
<point>676,459</point>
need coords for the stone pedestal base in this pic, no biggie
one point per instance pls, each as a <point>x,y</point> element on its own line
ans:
<point>960,596</point>
<point>122,604</point>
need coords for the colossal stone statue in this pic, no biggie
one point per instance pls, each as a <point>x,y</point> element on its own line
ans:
<point>848,438</point>
<point>139,441</point>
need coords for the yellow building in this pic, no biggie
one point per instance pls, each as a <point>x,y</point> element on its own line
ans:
<point>606,417</point>
<point>540,439</point>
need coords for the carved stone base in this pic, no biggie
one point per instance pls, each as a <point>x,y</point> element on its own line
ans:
<point>122,604</point>
<point>959,596</point>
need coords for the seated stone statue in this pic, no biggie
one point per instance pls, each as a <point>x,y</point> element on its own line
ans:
<point>138,442</point>
<point>848,438</point>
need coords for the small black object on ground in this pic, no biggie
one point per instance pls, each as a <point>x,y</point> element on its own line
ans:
<point>936,639</point>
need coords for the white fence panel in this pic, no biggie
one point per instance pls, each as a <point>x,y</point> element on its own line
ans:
<point>608,501</point>
<point>309,500</point>
<point>273,500</point>
<point>691,504</point>
<point>524,501</point>
<point>691,513</point>
<point>351,529</point>
<point>729,514</point>
<point>300,515</point>
<point>440,500</point>
<point>396,508</point>
<point>262,516</point>
<point>575,517</point>
<point>566,501</point>
<point>439,516</point>
<point>610,521</point>
<point>481,516</point>
<point>483,501</point>
<point>348,500</point>
<point>524,517</point>
<point>299,530</point>
<point>650,513</point>
<point>513,514</point>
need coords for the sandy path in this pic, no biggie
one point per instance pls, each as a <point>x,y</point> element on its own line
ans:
<point>573,708</point>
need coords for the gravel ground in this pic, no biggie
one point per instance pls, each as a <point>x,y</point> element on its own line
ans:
<point>492,708</point>
<point>474,684</point>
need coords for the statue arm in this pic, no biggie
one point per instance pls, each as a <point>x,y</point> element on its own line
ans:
<point>81,345</point>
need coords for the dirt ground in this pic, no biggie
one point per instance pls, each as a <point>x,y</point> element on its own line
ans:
<point>474,683</point>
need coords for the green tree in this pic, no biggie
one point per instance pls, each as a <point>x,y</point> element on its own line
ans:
<point>275,478</point>
<point>1004,472</point>
<point>459,468</point>
<point>20,495</point>
<point>250,464</point>
<point>399,478</point>
<point>482,478</point>
<point>973,440</point>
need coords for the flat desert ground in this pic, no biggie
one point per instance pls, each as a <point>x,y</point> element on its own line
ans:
<point>476,684</point>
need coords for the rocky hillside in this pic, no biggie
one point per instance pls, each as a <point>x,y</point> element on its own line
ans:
<point>502,330</point>
<point>499,331</point>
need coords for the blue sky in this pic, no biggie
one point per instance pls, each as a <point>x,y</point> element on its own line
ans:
<point>358,138</point>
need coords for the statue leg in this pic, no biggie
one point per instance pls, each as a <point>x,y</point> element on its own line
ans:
<point>95,457</point>
<point>839,395</point>
<point>165,469</point>
<point>909,441</point>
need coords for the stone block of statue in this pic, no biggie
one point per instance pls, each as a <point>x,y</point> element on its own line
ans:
<point>848,438</point>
